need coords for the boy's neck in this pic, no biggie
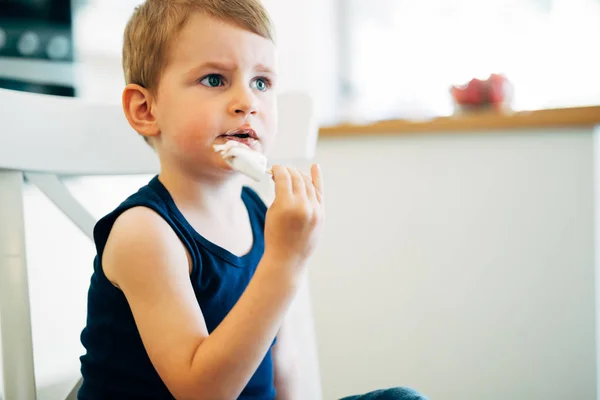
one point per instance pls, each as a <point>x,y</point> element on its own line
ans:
<point>202,195</point>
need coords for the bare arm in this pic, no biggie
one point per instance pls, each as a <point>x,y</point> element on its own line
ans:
<point>147,261</point>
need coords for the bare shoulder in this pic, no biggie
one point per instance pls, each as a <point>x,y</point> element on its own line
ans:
<point>138,236</point>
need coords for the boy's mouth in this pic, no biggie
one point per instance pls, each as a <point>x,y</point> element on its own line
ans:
<point>247,136</point>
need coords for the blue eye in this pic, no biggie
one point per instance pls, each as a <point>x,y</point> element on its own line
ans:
<point>212,80</point>
<point>261,84</point>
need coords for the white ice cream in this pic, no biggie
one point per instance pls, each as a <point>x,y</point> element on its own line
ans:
<point>243,159</point>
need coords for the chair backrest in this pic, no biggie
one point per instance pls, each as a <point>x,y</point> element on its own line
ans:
<point>70,136</point>
<point>47,135</point>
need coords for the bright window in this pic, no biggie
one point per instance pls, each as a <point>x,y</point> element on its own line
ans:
<point>403,55</point>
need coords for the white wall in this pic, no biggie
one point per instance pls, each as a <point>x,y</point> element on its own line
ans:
<point>461,265</point>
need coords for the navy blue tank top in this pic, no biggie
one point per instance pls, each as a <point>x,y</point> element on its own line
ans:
<point>115,365</point>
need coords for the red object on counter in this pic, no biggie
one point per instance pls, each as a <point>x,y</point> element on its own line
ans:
<point>493,92</point>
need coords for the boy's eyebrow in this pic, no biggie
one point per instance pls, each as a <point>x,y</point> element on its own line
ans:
<point>224,66</point>
<point>264,68</point>
<point>221,66</point>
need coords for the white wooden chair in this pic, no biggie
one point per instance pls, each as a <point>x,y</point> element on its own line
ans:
<point>44,138</point>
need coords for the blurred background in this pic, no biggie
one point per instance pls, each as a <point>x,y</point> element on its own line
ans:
<point>380,59</point>
<point>463,265</point>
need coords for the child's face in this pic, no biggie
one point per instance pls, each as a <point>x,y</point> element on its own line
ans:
<point>218,78</point>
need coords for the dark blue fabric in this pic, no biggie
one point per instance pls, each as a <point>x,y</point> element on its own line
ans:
<point>116,365</point>
<point>397,393</point>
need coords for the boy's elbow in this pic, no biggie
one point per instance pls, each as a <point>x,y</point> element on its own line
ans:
<point>197,388</point>
<point>194,385</point>
<point>195,391</point>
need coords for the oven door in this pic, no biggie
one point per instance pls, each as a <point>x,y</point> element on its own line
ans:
<point>36,46</point>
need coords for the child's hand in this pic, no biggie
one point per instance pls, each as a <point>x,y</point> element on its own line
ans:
<point>294,219</point>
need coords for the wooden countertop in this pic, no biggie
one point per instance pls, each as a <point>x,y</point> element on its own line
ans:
<point>554,118</point>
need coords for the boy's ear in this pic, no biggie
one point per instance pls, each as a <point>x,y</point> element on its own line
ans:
<point>137,105</point>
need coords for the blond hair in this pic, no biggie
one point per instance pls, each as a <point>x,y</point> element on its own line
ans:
<point>155,23</point>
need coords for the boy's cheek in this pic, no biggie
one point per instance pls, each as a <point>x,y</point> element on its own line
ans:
<point>191,136</point>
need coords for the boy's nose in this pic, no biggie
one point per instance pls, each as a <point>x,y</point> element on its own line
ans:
<point>244,104</point>
<point>245,110</point>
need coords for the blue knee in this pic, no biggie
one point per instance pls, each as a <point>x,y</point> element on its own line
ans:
<point>401,393</point>
<point>396,393</point>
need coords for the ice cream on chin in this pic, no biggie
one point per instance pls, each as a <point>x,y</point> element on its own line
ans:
<point>243,159</point>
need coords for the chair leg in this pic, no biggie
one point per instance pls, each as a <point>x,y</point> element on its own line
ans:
<point>15,313</point>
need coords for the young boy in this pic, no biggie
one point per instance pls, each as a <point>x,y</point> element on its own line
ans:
<point>193,276</point>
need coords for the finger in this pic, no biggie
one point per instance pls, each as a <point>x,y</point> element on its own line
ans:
<point>283,181</point>
<point>317,179</point>
<point>298,186</point>
<point>310,188</point>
